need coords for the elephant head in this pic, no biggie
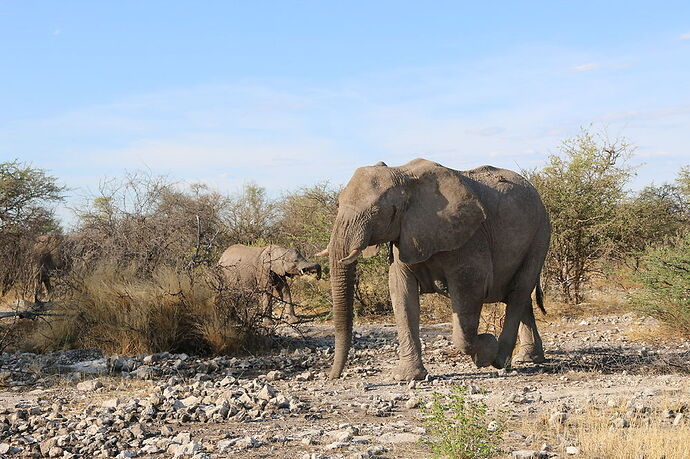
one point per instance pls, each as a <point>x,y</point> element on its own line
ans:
<point>288,262</point>
<point>422,207</point>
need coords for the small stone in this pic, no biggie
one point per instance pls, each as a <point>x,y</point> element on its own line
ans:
<point>111,403</point>
<point>572,450</point>
<point>336,445</point>
<point>274,375</point>
<point>620,423</point>
<point>247,442</point>
<point>377,450</point>
<point>182,437</point>
<point>403,437</point>
<point>412,403</point>
<point>90,385</point>
<point>306,376</point>
<point>493,426</point>
<point>679,420</point>
<point>266,393</point>
<point>523,454</point>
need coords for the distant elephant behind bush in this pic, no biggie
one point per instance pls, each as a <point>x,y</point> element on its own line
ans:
<point>265,270</point>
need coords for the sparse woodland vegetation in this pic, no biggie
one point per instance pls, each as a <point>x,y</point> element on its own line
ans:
<point>142,252</point>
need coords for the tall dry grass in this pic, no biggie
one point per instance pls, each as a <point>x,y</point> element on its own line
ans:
<point>595,432</point>
<point>173,310</point>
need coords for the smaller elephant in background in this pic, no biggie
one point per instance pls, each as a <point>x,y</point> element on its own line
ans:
<point>49,255</point>
<point>266,269</point>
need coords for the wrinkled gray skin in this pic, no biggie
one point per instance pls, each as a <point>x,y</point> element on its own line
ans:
<point>265,270</point>
<point>477,236</point>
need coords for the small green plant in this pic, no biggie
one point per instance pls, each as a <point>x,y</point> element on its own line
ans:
<point>459,427</point>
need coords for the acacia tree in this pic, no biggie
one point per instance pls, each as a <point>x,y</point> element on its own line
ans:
<point>26,193</point>
<point>582,188</point>
<point>654,215</point>
<point>251,216</point>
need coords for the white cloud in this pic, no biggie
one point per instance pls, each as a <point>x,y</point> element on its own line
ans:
<point>685,36</point>
<point>585,67</point>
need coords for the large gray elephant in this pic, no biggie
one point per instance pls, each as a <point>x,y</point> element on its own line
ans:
<point>477,236</point>
<point>265,270</point>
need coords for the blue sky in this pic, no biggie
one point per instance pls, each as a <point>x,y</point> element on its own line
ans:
<point>286,94</point>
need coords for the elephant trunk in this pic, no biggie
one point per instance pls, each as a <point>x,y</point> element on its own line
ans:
<point>342,289</point>
<point>348,237</point>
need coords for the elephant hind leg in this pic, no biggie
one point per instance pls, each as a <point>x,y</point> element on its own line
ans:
<point>466,312</point>
<point>531,347</point>
<point>516,307</point>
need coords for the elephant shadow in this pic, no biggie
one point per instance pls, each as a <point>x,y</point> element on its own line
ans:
<point>613,360</point>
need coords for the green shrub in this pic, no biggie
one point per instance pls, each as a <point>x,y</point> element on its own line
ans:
<point>665,278</point>
<point>458,427</point>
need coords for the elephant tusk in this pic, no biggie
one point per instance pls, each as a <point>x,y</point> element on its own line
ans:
<point>352,257</point>
<point>323,253</point>
<point>301,272</point>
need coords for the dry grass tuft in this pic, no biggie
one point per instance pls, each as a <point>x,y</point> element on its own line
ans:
<point>178,311</point>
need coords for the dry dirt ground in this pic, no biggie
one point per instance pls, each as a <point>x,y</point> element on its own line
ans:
<point>614,374</point>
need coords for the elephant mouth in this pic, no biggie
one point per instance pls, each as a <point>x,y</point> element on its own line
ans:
<point>311,270</point>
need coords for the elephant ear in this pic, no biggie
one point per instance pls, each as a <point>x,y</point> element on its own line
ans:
<point>442,214</point>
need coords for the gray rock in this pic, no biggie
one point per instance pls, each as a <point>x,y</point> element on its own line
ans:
<point>90,385</point>
<point>98,366</point>
<point>403,437</point>
<point>111,403</point>
<point>337,445</point>
<point>493,426</point>
<point>679,419</point>
<point>266,393</point>
<point>524,454</point>
<point>247,442</point>
<point>274,375</point>
<point>377,450</point>
<point>620,423</point>
<point>412,403</point>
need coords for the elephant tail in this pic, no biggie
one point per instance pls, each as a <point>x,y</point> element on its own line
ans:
<point>540,296</point>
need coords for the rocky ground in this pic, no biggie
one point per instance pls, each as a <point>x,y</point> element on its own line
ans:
<point>82,404</point>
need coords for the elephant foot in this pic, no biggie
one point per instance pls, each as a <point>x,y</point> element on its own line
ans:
<point>292,319</point>
<point>486,347</point>
<point>502,363</point>
<point>408,372</point>
<point>528,355</point>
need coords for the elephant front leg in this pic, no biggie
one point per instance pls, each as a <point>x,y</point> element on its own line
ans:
<point>286,297</point>
<point>267,307</point>
<point>531,347</point>
<point>405,298</point>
